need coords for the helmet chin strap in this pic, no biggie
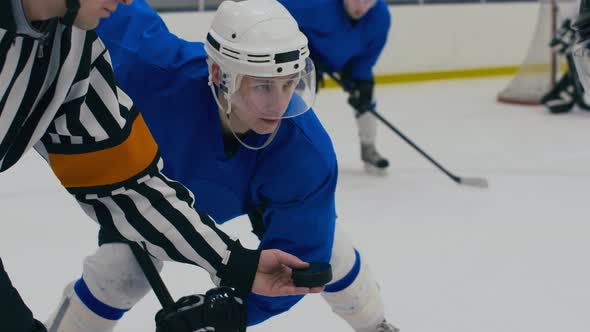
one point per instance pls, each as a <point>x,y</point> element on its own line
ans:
<point>72,8</point>
<point>250,147</point>
<point>228,113</point>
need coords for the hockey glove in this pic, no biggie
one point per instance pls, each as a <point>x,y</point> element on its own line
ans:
<point>361,95</point>
<point>320,70</point>
<point>220,308</point>
<point>39,327</point>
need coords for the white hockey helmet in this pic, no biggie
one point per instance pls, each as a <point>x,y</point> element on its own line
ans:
<point>260,39</point>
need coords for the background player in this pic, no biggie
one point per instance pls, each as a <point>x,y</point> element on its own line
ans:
<point>346,38</point>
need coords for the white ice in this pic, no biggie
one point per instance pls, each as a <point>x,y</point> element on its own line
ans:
<point>513,258</point>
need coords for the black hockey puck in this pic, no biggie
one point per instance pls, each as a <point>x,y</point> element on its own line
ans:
<point>316,275</point>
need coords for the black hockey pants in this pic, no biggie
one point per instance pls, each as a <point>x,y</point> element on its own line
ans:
<point>14,314</point>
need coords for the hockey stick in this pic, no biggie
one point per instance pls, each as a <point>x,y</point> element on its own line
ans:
<point>468,181</point>
<point>153,276</point>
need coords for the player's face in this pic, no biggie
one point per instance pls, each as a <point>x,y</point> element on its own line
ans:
<point>262,102</point>
<point>91,11</point>
<point>358,8</point>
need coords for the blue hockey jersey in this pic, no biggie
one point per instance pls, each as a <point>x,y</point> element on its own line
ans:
<point>335,42</point>
<point>293,180</point>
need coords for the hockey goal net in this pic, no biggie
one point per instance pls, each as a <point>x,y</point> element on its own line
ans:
<point>538,72</point>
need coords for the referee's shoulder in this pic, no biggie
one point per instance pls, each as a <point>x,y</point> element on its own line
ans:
<point>6,17</point>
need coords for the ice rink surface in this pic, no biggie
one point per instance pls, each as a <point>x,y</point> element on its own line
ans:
<point>513,258</point>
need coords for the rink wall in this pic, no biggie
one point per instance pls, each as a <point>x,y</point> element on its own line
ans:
<point>431,42</point>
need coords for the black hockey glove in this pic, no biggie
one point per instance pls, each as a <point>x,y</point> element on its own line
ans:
<point>39,327</point>
<point>361,95</point>
<point>360,92</point>
<point>320,70</point>
<point>220,308</point>
<point>564,38</point>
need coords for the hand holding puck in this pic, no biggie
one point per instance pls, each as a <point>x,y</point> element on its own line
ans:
<point>318,274</point>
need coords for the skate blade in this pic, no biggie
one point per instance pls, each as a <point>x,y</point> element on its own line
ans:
<point>373,170</point>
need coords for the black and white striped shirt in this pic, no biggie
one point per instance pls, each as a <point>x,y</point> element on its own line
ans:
<point>59,96</point>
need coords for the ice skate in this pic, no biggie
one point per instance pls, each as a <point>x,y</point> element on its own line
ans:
<point>385,326</point>
<point>374,162</point>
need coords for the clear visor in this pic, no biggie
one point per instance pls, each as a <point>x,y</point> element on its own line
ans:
<point>280,97</point>
<point>581,52</point>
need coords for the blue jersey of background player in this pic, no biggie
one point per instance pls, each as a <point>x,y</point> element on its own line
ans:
<point>346,38</point>
<point>208,108</point>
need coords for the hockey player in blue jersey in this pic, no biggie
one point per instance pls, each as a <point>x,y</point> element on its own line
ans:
<point>346,38</point>
<point>233,122</point>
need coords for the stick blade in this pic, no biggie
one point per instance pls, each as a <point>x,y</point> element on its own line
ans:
<point>475,182</point>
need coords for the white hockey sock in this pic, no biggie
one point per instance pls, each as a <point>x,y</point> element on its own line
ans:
<point>112,282</point>
<point>354,294</point>
<point>114,277</point>
<point>73,316</point>
<point>367,128</point>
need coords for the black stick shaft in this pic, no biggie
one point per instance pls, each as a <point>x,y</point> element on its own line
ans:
<point>152,276</point>
<point>406,139</point>
<point>417,148</point>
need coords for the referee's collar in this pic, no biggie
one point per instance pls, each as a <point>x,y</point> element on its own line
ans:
<point>21,22</point>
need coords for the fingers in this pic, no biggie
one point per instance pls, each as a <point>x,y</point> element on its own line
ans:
<point>280,284</point>
<point>289,287</point>
<point>290,260</point>
<point>292,290</point>
<point>316,290</point>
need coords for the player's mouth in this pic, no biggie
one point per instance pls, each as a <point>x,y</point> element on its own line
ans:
<point>110,10</point>
<point>270,121</point>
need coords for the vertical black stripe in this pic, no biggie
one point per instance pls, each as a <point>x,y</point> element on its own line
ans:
<point>181,191</point>
<point>66,43</point>
<point>72,109</point>
<point>106,71</point>
<point>183,194</point>
<point>91,36</point>
<point>32,122</point>
<point>182,224</point>
<point>19,147</point>
<point>73,122</point>
<point>85,65</point>
<point>21,115</point>
<point>146,229</point>
<point>5,45</point>
<point>124,112</point>
<point>103,215</point>
<point>37,77</point>
<point>102,113</point>
<point>20,140</point>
